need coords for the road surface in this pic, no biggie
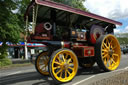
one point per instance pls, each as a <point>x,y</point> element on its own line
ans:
<point>28,76</point>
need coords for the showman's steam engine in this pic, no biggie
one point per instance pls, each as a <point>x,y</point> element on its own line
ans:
<point>72,37</point>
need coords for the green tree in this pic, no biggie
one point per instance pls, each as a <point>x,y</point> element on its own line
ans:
<point>22,6</point>
<point>9,28</point>
<point>73,3</point>
<point>11,23</point>
<point>123,40</point>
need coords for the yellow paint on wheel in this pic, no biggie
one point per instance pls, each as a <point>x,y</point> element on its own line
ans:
<point>64,65</point>
<point>42,63</point>
<point>111,53</point>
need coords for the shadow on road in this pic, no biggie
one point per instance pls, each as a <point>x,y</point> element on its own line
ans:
<point>26,77</point>
<point>36,79</point>
<point>89,71</point>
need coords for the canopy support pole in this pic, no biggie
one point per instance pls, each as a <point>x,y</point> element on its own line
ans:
<point>25,38</point>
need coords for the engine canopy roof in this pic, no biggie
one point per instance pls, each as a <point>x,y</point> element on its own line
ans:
<point>63,11</point>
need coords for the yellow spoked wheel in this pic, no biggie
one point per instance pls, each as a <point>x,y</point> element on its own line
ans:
<point>108,52</point>
<point>63,65</point>
<point>41,63</point>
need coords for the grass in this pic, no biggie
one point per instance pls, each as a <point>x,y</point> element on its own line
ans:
<point>15,65</point>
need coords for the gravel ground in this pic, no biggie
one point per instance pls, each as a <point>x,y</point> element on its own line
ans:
<point>120,78</point>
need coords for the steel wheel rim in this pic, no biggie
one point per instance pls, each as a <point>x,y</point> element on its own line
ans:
<point>42,63</point>
<point>110,51</point>
<point>64,66</point>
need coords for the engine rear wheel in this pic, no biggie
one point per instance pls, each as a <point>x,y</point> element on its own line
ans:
<point>41,63</point>
<point>63,65</point>
<point>108,52</point>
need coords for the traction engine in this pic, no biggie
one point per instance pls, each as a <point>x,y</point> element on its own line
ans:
<point>73,38</point>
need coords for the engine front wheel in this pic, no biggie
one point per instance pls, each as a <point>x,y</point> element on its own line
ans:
<point>108,53</point>
<point>63,65</point>
<point>41,63</point>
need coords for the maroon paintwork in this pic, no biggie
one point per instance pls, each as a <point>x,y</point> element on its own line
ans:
<point>60,6</point>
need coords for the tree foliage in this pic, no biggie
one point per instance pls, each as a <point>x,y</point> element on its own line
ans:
<point>73,3</point>
<point>9,28</point>
<point>123,40</point>
<point>22,6</point>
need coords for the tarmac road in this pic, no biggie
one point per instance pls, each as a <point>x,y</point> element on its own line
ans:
<point>28,76</point>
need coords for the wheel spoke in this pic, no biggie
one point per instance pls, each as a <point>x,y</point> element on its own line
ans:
<point>68,72</point>
<point>65,73</point>
<point>59,71</point>
<point>115,55</point>
<point>105,56</point>
<point>63,58</point>
<point>70,68</point>
<point>66,56</point>
<point>111,43</point>
<point>43,67</point>
<point>47,58</point>
<point>105,61</point>
<point>105,45</point>
<point>58,58</point>
<point>105,50</point>
<point>70,64</point>
<point>69,60</point>
<point>110,62</point>
<point>113,61</point>
<point>107,41</point>
<point>57,63</point>
<point>103,53</point>
<point>57,67</point>
<point>61,74</point>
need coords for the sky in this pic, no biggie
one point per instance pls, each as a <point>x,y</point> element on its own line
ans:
<point>113,9</point>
